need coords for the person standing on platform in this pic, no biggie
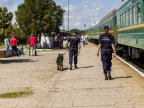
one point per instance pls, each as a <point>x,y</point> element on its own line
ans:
<point>7,43</point>
<point>74,46</point>
<point>61,41</point>
<point>107,47</point>
<point>13,43</point>
<point>84,40</point>
<point>48,43</point>
<point>32,43</point>
<point>43,41</point>
<point>56,41</point>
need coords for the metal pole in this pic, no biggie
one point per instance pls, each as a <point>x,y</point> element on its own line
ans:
<point>63,24</point>
<point>84,26</point>
<point>68,15</point>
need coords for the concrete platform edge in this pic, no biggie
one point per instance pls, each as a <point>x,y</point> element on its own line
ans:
<point>138,71</point>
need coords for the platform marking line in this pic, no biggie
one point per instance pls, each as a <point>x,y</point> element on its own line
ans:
<point>131,66</point>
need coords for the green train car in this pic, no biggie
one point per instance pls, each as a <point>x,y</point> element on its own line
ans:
<point>93,34</point>
<point>127,25</point>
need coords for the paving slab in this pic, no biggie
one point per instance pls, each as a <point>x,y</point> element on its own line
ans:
<point>80,88</point>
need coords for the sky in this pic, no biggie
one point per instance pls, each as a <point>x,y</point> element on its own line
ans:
<point>82,12</point>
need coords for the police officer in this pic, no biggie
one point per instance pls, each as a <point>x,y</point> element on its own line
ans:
<point>107,47</point>
<point>73,45</point>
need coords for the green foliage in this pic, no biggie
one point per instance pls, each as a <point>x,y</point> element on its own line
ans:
<point>5,20</point>
<point>14,29</point>
<point>37,16</point>
<point>77,31</point>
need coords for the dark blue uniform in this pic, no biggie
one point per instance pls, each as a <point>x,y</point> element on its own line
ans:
<point>74,41</point>
<point>106,51</point>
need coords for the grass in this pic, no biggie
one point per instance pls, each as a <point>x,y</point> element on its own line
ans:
<point>17,94</point>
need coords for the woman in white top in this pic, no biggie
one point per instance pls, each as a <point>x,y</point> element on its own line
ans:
<point>84,40</point>
<point>43,41</point>
<point>48,41</point>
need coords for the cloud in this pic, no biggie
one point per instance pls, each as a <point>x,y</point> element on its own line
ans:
<point>88,12</point>
<point>13,9</point>
<point>81,11</point>
<point>2,2</point>
<point>72,8</point>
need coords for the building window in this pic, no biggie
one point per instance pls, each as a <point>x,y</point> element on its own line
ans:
<point>138,13</point>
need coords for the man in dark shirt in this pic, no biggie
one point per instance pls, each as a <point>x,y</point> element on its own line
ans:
<point>73,45</point>
<point>107,47</point>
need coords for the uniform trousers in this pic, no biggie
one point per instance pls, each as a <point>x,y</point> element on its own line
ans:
<point>73,52</point>
<point>106,57</point>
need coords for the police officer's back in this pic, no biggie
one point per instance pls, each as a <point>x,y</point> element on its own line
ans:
<point>74,49</point>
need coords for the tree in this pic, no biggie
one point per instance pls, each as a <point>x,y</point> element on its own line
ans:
<point>37,16</point>
<point>77,31</point>
<point>5,20</point>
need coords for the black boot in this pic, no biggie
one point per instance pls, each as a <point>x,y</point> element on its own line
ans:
<point>76,66</point>
<point>109,75</point>
<point>106,77</point>
<point>70,67</point>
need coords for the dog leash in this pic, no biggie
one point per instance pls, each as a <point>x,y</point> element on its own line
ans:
<point>65,52</point>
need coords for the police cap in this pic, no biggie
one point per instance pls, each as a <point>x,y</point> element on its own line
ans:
<point>106,27</point>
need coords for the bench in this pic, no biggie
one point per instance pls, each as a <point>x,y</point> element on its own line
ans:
<point>8,53</point>
<point>4,54</point>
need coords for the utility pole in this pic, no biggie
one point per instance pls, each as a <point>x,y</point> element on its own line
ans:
<point>68,15</point>
<point>63,24</point>
<point>84,26</point>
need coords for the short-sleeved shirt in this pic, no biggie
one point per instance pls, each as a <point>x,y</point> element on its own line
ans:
<point>106,41</point>
<point>74,41</point>
<point>13,42</point>
<point>32,41</point>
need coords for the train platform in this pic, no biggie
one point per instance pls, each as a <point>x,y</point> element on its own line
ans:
<point>81,88</point>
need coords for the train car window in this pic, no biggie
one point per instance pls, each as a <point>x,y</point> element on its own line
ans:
<point>123,19</point>
<point>138,13</point>
<point>129,20</point>
<point>134,15</point>
<point>133,1</point>
<point>120,20</point>
<point>126,15</point>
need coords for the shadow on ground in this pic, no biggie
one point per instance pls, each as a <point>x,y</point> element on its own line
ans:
<point>85,67</point>
<point>38,55</point>
<point>16,61</point>
<point>122,77</point>
<point>65,69</point>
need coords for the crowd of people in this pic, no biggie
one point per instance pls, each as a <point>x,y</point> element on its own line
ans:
<point>44,42</point>
<point>58,41</point>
